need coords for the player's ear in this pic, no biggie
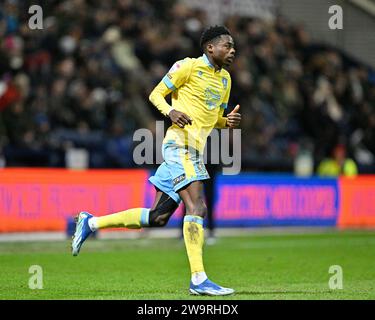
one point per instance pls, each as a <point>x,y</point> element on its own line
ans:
<point>210,48</point>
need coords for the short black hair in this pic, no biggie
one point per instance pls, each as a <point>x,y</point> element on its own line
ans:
<point>212,33</point>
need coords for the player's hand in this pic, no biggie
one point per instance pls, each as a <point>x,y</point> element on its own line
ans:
<point>234,118</point>
<point>179,118</point>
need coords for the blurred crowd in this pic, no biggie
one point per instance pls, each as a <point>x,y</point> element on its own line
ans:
<point>83,82</point>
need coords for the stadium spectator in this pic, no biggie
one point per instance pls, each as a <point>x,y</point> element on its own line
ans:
<point>338,164</point>
<point>95,61</point>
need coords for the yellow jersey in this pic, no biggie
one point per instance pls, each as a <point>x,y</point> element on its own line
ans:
<point>199,91</point>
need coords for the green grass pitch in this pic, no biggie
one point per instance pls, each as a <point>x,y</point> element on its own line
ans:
<point>278,266</point>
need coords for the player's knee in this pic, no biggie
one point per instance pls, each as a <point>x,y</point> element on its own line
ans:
<point>157,219</point>
<point>198,209</point>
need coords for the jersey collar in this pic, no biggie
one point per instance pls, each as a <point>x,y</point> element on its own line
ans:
<point>205,59</point>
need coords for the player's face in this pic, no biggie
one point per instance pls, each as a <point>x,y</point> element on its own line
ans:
<point>223,51</point>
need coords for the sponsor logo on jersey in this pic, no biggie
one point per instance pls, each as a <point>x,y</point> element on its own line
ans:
<point>175,67</point>
<point>213,97</point>
<point>178,179</point>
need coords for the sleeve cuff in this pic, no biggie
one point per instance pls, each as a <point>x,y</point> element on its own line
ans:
<point>221,123</point>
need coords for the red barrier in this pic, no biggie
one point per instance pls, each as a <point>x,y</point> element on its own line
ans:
<point>42,199</point>
<point>357,202</point>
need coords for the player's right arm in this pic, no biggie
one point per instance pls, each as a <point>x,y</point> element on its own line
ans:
<point>157,98</point>
<point>176,77</point>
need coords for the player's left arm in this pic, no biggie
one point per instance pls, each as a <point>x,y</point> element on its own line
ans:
<point>233,119</point>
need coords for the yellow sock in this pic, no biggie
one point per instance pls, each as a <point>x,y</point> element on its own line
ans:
<point>131,219</point>
<point>194,239</point>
